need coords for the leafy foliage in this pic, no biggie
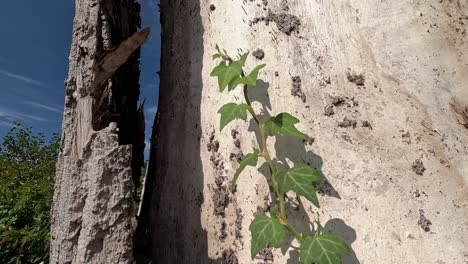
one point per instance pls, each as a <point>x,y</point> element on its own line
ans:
<point>228,72</point>
<point>232,111</point>
<point>249,80</point>
<point>318,248</point>
<point>27,167</point>
<point>283,124</point>
<point>300,179</point>
<point>323,249</point>
<point>265,231</point>
<point>249,160</point>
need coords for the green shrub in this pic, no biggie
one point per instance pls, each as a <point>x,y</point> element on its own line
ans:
<point>27,167</point>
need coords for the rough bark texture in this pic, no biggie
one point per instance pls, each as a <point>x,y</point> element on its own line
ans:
<point>375,85</point>
<point>93,212</point>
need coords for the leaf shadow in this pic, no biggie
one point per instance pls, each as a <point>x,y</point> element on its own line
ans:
<point>260,94</point>
<point>347,233</point>
<point>294,149</point>
<point>297,217</point>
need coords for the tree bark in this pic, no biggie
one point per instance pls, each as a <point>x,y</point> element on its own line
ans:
<point>93,216</point>
<point>374,84</point>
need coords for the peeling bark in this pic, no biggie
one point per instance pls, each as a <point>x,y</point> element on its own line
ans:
<point>93,216</point>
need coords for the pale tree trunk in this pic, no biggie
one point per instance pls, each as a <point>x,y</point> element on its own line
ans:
<point>381,90</point>
<point>93,216</point>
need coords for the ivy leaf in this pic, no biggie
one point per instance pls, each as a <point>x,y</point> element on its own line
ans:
<point>226,73</point>
<point>324,249</point>
<point>217,55</point>
<point>249,159</point>
<point>283,123</point>
<point>250,80</point>
<point>265,231</point>
<point>243,58</point>
<point>300,179</point>
<point>274,211</point>
<point>234,83</point>
<point>232,111</point>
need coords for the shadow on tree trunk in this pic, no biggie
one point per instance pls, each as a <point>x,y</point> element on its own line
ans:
<point>171,211</point>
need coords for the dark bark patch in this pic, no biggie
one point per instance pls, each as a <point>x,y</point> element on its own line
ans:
<point>357,79</point>
<point>406,137</point>
<point>285,22</point>
<point>367,124</point>
<point>423,222</point>
<point>460,111</point>
<point>339,102</point>
<point>218,162</point>
<point>234,133</point>
<point>236,156</point>
<point>229,257</point>
<point>213,145</point>
<point>259,54</point>
<point>220,198</point>
<point>238,223</point>
<point>347,122</point>
<point>223,234</point>
<point>328,111</point>
<point>237,143</point>
<point>266,255</point>
<point>418,167</point>
<point>296,88</point>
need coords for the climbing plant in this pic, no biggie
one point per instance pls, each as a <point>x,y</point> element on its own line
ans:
<point>317,247</point>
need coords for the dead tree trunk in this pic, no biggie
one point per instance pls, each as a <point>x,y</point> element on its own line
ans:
<point>102,147</point>
<point>373,83</point>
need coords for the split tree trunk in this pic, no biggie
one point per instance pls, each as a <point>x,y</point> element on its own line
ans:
<point>93,216</point>
<point>373,83</point>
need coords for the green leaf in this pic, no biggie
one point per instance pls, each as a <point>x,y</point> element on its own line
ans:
<point>324,249</point>
<point>274,211</point>
<point>265,231</point>
<point>234,83</point>
<point>300,179</point>
<point>243,58</point>
<point>250,80</point>
<point>219,69</point>
<point>226,73</point>
<point>217,55</point>
<point>249,159</point>
<point>232,111</point>
<point>284,124</point>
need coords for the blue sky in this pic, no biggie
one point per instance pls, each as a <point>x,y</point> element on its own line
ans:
<point>34,51</point>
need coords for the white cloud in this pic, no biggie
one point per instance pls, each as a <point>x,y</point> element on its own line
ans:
<point>11,116</point>
<point>44,106</point>
<point>147,145</point>
<point>151,110</point>
<point>22,78</point>
<point>4,123</point>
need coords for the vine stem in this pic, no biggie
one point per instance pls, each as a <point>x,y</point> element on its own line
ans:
<point>272,167</point>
